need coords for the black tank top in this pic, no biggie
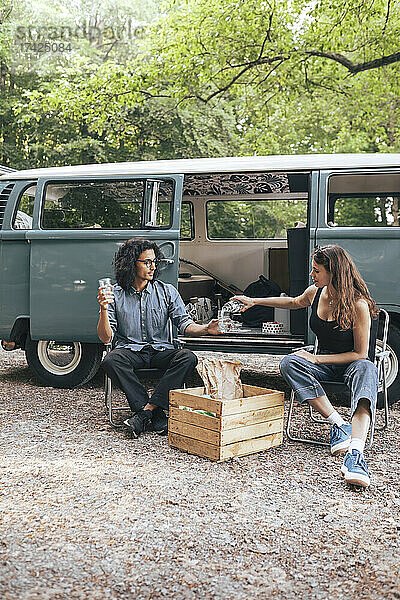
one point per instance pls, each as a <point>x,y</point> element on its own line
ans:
<point>331,339</point>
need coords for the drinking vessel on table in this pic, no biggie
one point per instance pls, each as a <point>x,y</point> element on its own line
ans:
<point>225,322</point>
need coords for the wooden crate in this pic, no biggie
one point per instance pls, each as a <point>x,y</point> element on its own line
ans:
<point>241,426</point>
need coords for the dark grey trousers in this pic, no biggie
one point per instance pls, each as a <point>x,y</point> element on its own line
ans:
<point>121,363</point>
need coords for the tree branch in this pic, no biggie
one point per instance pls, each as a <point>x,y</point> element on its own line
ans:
<point>387,17</point>
<point>245,68</point>
<point>353,68</point>
<point>359,67</point>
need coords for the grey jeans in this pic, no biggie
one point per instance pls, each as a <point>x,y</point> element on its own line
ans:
<point>361,377</point>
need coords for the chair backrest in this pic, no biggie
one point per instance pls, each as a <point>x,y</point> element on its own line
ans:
<point>373,334</point>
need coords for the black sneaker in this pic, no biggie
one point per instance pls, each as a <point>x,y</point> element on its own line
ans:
<point>159,422</point>
<point>137,423</point>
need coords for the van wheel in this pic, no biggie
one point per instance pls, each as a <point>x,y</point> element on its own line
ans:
<point>392,363</point>
<point>63,364</point>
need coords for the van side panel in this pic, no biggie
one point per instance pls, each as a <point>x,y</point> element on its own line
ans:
<point>375,251</point>
<point>66,264</point>
<point>14,274</point>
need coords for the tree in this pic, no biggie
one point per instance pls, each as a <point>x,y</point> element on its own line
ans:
<point>211,78</point>
<point>208,47</point>
<point>74,107</point>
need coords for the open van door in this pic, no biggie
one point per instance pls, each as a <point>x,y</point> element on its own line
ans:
<point>239,257</point>
<point>78,226</point>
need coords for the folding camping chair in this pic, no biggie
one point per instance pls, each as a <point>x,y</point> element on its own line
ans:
<point>108,401</point>
<point>342,392</point>
<point>157,373</point>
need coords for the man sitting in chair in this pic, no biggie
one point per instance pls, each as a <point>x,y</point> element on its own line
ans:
<point>137,316</point>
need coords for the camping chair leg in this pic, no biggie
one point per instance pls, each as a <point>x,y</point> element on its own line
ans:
<point>108,402</point>
<point>371,434</point>
<point>381,370</point>
<point>107,389</point>
<point>294,438</point>
<point>316,419</point>
<point>386,408</point>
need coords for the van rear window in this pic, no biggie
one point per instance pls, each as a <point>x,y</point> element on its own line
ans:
<point>101,204</point>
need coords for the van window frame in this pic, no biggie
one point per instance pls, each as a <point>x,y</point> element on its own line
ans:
<point>267,197</point>
<point>192,223</point>
<point>324,212</point>
<point>17,204</point>
<point>105,179</point>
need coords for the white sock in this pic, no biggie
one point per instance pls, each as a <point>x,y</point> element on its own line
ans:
<point>335,419</point>
<point>356,444</point>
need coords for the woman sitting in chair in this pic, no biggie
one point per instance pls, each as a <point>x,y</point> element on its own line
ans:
<point>341,314</point>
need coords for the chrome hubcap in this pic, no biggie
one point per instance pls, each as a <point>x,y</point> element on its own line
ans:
<point>59,358</point>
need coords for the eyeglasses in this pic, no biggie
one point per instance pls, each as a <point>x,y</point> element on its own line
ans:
<point>149,261</point>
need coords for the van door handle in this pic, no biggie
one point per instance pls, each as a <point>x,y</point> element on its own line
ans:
<point>165,262</point>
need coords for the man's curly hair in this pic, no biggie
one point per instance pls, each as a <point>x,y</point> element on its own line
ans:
<point>125,258</point>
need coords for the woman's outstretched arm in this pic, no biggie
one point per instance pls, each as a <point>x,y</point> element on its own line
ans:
<point>302,301</point>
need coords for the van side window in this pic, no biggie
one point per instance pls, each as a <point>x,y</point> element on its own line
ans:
<point>187,223</point>
<point>24,212</point>
<point>365,211</point>
<point>101,204</point>
<point>257,219</point>
<point>364,200</point>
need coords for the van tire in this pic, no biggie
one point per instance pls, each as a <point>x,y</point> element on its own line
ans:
<point>393,364</point>
<point>63,364</point>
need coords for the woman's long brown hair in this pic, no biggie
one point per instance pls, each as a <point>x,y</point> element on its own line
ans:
<point>347,282</point>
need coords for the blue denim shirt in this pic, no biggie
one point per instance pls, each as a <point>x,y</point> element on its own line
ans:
<point>140,319</point>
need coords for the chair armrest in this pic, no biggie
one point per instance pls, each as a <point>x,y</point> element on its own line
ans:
<point>178,343</point>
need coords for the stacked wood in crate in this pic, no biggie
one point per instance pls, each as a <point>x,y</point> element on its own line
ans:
<point>220,429</point>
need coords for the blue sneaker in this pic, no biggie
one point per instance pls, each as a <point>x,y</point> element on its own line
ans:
<point>355,470</point>
<point>340,438</point>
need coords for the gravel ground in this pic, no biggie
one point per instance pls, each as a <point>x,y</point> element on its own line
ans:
<point>89,513</point>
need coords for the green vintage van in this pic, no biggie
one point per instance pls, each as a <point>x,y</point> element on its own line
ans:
<point>220,222</point>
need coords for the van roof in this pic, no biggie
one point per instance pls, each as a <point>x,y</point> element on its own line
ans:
<point>4,169</point>
<point>305,162</point>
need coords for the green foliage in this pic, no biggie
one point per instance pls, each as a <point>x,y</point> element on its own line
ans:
<point>205,47</point>
<point>201,78</point>
<point>372,211</point>
<point>6,8</point>
<point>294,71</point>
<point>235,219</point>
